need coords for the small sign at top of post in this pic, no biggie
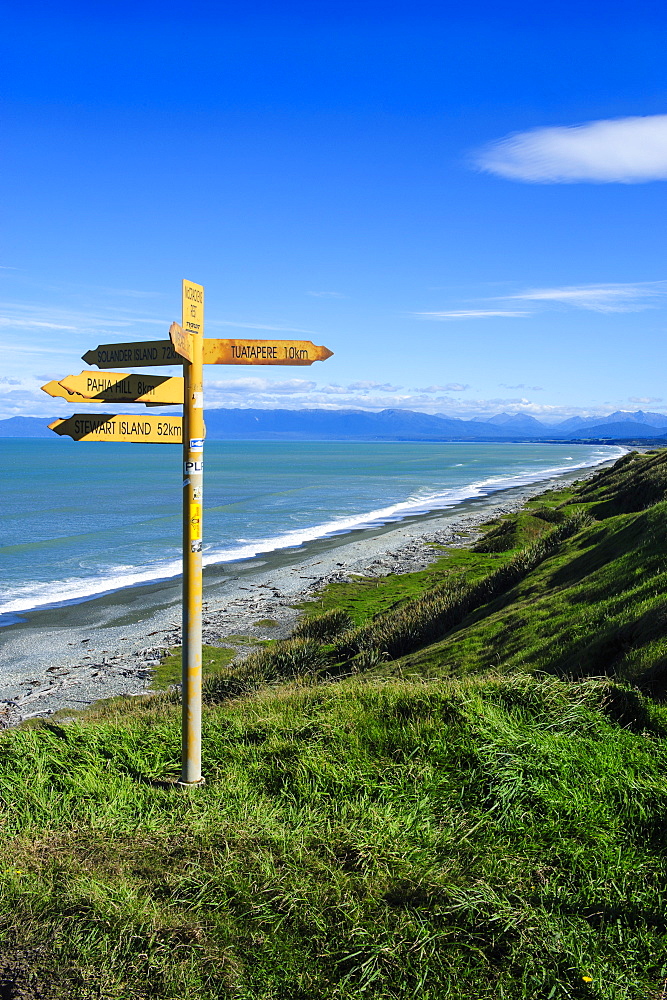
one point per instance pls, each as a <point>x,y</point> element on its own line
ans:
<point>193,307</point>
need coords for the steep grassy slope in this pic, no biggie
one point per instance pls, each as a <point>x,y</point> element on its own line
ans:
<point>597,606</point>
<point>480,817</point>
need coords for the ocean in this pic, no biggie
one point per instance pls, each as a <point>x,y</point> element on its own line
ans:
<point>81,520</point>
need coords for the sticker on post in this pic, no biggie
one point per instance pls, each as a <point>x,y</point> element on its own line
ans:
<point>195,545</point>
<point>193,467</point>
<point>197,400</point>
<point>195,520</point>
<point>196,444</point>
<point>196,492</point>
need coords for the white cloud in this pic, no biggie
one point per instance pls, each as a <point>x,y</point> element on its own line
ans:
<point>378,386</point>
<point>645,399</point>
<point>131,293</point>
<point>617,150</point>
<point>263,393</point>
<point>450,387</point>
<point>600,298</point>
<point>469,313</point>
<point>257,384</point>
<point>521,385</point>
<point>65,351</point>
<point>260,326</point>
<point>33,324</point>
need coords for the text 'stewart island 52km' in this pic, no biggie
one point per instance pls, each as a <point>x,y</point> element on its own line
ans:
<point>186,346</point>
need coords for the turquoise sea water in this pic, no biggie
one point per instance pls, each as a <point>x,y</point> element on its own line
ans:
<point>83,519</point>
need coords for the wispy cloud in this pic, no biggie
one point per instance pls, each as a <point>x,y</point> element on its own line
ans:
<point>645,399</point>
<point>621,150</point>
<point>377,386</point>
<point>521,385</point>
<point>38,317</point>
<point>15,348</point>
<point>260,326</point>
<point>605,298</point>
<point>243,386</point>
<point>126,293</point>
<point>470,313</point>
<point>33,324</point>
<point>449,387</point>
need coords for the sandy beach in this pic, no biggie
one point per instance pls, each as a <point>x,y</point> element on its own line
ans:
<point>72,656</point>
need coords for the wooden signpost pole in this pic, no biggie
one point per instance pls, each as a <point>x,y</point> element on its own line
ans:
<point>193,488</point>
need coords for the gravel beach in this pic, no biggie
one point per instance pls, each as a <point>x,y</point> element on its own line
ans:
<point>72,656</point>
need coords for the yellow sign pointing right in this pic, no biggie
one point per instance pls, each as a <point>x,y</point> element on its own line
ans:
<point>263,352</point>
<point>249,352</point>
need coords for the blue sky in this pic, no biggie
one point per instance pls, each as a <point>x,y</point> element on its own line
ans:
<point>467,207</point>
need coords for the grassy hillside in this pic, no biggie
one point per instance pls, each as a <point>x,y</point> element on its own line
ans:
<point>448,784</point>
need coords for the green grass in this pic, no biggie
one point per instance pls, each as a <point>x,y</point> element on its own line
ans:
<point>597,607</point>
<point>364,597</point>
<point>495,837</point>
<point>216,660</point>
<point>482,818</point>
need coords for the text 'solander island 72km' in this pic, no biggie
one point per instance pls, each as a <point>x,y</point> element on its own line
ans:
<point>151,352</point>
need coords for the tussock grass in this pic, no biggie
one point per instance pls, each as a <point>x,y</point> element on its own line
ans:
<point>323,627</point>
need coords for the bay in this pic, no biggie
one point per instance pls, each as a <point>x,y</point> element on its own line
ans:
<point>80,520</point>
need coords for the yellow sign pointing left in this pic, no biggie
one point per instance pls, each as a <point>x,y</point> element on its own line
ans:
<point>119,387</point>
<point>120,427</point>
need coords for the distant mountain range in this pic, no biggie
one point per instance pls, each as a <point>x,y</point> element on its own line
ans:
<point>394,425</point>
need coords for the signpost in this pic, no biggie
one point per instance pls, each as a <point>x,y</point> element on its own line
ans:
<point>120,427</point>
<point>215,352</point>
<point>119,387</point>
<point>56,389</point>
<point>146,355</point>
<point>186,347</point>
<point>263,352</point>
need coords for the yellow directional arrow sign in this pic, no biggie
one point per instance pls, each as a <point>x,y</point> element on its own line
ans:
<point>116,387</point>
<point>250,352</point>
<point>181,341</point>
<point>120,427</point>
<point>263,352</point>
<point>56,389</point>
<point>151,352</point>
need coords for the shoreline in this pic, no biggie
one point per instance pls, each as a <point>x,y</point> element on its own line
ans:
<point>73,656</point>
<point>24,603</point>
